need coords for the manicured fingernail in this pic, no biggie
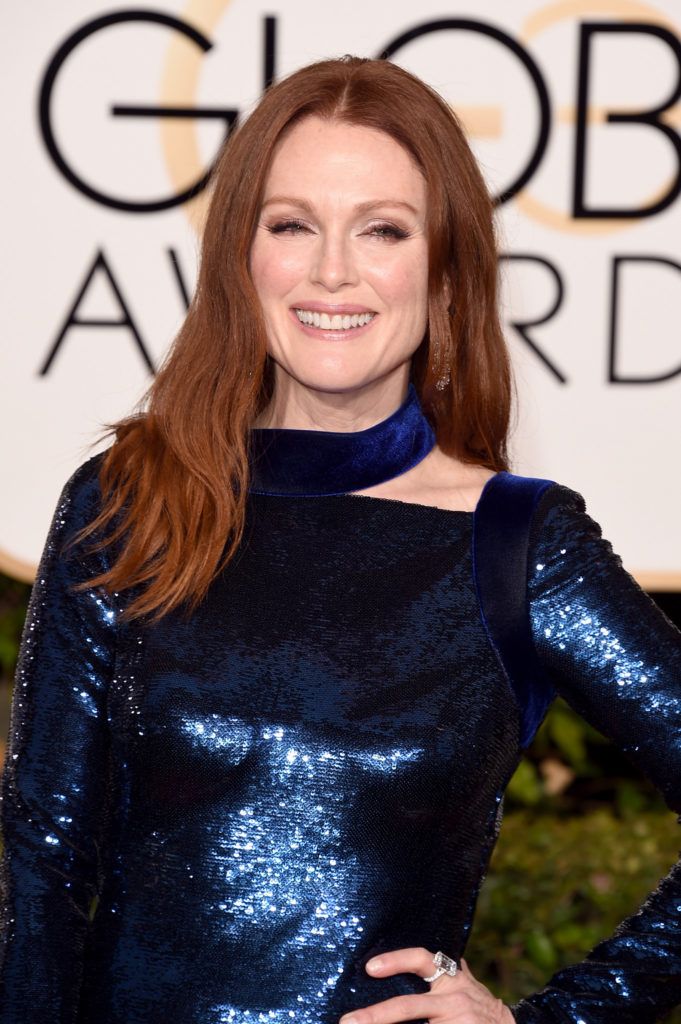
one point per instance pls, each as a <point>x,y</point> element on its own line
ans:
<point>348,1020</point>
<point>372,965</point>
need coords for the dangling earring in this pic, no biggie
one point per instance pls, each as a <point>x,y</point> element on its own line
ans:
<point>442,382</point>
<point>444,376</point>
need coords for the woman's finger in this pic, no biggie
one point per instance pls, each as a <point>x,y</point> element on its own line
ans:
<point>398,1009</point>
<point>451,999</point>
<point>411,960</point>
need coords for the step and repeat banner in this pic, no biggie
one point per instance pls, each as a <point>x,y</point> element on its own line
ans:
<point>113,116</point>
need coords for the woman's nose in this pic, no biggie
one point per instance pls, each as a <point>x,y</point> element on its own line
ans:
<point>333,265</point>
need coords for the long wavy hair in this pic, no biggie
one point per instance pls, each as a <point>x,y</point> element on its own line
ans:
<point>174,482</point>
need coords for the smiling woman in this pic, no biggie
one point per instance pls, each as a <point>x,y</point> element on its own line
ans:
<point>332,252</point>
<point>293,630</point>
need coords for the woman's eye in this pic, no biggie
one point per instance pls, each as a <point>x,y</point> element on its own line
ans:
<point>388,231</point>
<point>294,226</point>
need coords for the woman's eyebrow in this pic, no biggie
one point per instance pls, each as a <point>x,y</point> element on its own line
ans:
<point>370,204</point>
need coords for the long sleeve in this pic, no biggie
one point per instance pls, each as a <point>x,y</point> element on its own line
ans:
<point>54,782</point>
<point>614,656</point>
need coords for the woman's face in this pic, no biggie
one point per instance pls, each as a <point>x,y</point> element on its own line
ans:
<point>341,233</point>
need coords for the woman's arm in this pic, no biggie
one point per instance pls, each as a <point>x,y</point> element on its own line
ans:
<point>616,658</point>
<point>54,782</point>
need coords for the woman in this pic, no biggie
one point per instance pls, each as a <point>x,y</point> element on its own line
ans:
<point>260,737</point>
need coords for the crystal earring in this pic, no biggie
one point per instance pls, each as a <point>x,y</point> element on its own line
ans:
<point>444,376</point>
<point>442,382</point>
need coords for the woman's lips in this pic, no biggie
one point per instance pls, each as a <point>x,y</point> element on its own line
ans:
<point>333,335</point>
<point>332,307</point>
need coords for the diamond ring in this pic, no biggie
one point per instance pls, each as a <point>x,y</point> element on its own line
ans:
<point>444,964</point>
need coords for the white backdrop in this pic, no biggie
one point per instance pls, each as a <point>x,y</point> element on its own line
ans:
<point>99,254</point>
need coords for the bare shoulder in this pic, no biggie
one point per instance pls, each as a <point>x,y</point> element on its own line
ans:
<point>453,484</point>
<point>439,480</point>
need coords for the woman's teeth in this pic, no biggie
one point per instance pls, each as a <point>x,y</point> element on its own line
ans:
<point>333,323</point>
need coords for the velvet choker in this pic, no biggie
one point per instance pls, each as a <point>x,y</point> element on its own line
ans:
<point>287,460</point>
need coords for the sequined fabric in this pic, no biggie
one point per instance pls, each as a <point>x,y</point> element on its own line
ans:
<point>616,658</point>
<point>305,772</point>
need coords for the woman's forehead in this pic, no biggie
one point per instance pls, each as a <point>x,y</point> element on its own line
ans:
<point>360,162</point>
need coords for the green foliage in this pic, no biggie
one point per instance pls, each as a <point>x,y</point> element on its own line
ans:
<point>569,734</point>
<point>558,885</point>
<point>13,600</point>
<point>526,787</point>
<point>571,767</point>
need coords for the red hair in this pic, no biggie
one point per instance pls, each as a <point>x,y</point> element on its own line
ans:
<point>178,471</point>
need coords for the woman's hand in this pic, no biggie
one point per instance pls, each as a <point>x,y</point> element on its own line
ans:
<point>451,1000</point>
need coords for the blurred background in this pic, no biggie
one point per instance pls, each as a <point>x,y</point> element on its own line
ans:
<point>114,117</point>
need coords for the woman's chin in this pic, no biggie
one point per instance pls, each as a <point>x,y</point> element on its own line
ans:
<point>334,382</point>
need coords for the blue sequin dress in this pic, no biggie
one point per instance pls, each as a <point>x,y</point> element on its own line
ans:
<point>309,770</point>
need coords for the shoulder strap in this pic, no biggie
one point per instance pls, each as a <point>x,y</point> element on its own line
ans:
<point>501,532</point>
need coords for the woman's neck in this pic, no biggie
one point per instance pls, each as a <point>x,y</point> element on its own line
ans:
<point>293,407</point>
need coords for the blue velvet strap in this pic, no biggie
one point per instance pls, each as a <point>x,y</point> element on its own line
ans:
<point>287,460</point>
<point>501,532</point>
